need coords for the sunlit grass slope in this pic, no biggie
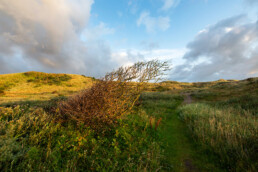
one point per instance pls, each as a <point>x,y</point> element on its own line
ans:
<point>44,86</point>
<point>40,86</point>
<point>211,91</point>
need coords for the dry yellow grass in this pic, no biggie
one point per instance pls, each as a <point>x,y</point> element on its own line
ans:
<point>17,87</point>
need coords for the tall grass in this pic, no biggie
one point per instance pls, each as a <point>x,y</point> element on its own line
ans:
<point>231,135</point>
<point>31,140</point>
<point>241,104</point>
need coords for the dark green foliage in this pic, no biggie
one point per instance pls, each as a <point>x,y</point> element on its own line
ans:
<point>171,82</point>
<point>244,103</point>
<point>160,88</point>
<point>207,96</point>
<point>4,86</point>
<point>46,78</point>
<point>251,79</point>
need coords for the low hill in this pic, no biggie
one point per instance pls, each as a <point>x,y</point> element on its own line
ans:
<point>40,86</point>
<point>220,88</point>
<point>44,86</point>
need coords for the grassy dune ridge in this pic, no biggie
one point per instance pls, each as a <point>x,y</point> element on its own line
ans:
<point>40,86</point>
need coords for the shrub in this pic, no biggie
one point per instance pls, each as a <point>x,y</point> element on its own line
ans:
<point>100,106</point>
<point>1,92</point>
<point>46,78</point>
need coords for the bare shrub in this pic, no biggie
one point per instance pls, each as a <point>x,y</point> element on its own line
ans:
<point>107,100</point>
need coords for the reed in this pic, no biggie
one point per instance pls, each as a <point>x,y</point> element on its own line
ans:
<point>229,134</point>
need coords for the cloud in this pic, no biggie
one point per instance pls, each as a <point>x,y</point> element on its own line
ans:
<point>251,2</point>
<point>130,56</point>
<point>169,4</point>
<point>149,45</point>
<point>153,24</point>
<point>133,6</point>
<point>228,49</point>
<point>47,35</point>
<point>98,31</point>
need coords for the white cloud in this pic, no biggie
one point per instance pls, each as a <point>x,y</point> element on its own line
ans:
<point>45,35</point>
<point>127,57</point>
<point>169,4</point>
<point>130,2</point>
<point>153,24</point>
<point>120,14</point>
<point>227,49</point>
<point>98,31</point>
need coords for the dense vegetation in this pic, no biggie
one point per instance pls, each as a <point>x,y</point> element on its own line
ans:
<point>225,122</point>
<point>161,133</point>
<point>230,135</point>
<point>30,139</point>
<point>46,78</point>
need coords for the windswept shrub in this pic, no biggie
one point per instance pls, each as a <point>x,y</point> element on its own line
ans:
<point>100,106</point>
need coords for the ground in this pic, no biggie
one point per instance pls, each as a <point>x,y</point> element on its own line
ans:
<point>184,150</point>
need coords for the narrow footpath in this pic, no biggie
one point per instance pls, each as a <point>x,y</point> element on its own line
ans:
<point>182,154</point>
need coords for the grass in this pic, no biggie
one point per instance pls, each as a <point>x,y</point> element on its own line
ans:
<point>45,78</point>
<point>246,103</point>
<point>33,86</point>
<point>229,144</point>
<point>182,154</point>
<point>218,132</point>
<point>224,122</point>
<point>31,140</point>
<point>229,135</point>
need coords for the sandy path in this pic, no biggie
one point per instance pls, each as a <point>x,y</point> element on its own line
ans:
<point>187,98</point>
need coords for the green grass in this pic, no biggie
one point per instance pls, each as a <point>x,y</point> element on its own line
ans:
<point>31,139</point>
<point>219,134</point>
<point>46,78</point>
<point>247,103</point>
<point>182,154</point>
<point>228,134</point>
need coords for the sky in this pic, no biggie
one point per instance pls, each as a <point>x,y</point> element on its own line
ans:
<point>203,40</point>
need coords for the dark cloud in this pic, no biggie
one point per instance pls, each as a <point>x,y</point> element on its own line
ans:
<point>46,35</point>
<point>228,49</point>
